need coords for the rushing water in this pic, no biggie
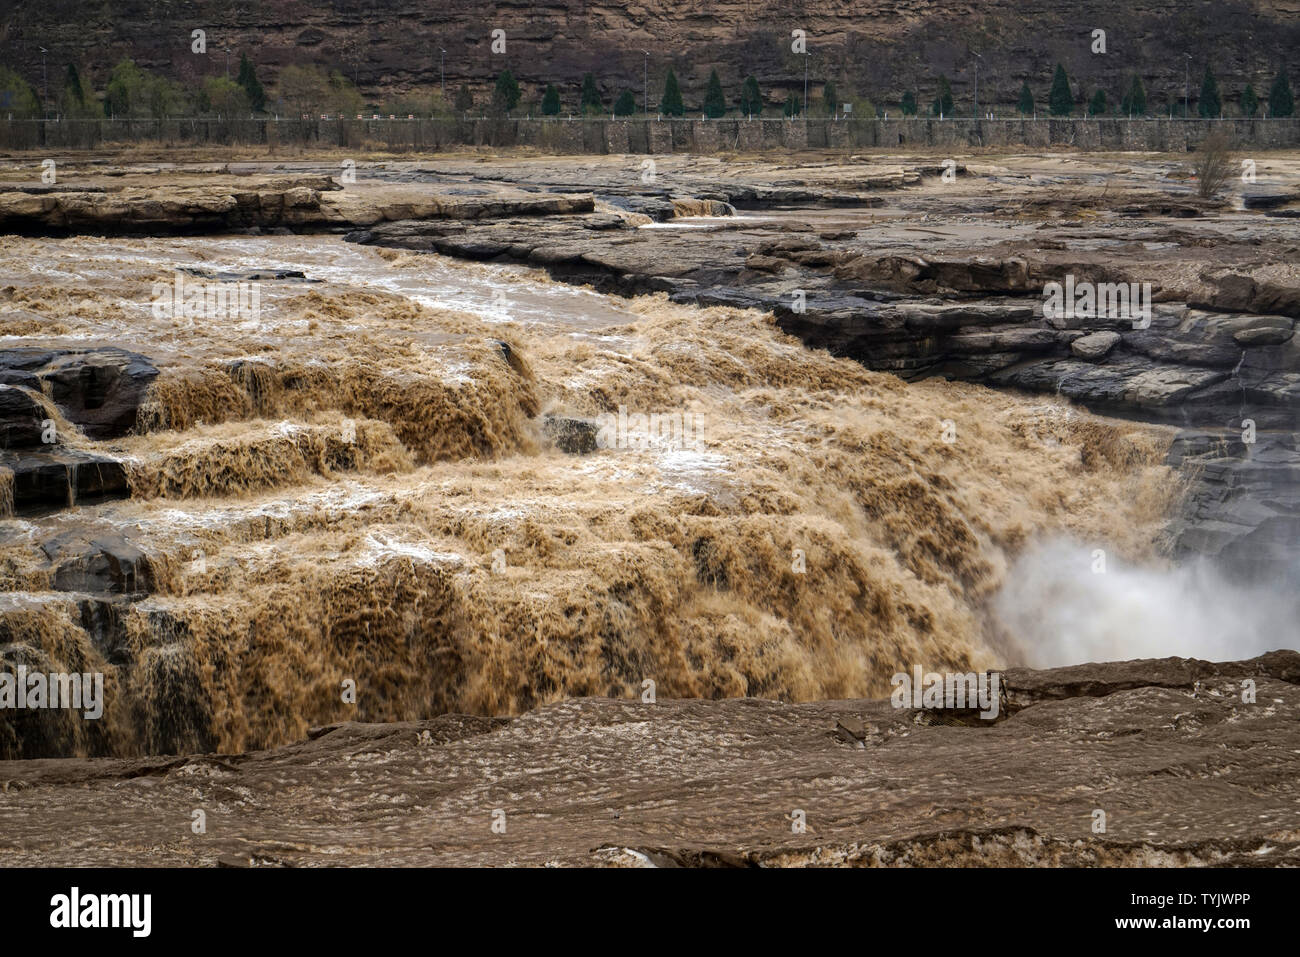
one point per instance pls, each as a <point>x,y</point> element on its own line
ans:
<point>356,487</point>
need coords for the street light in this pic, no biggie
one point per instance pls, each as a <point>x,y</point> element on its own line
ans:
<point>442,74</point>
<point>645,82</point>
<point>45,86</point>
<point>977,84</point>
<point>1187,66</point>
<point>805,85</point>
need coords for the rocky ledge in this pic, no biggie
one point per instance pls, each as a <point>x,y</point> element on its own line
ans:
<point>51,397</point>
<point>1155,762</point>
<point>170,201</point>
<point>924,275</point>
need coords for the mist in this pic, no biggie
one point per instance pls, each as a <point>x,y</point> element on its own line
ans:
<point>1058,611</point>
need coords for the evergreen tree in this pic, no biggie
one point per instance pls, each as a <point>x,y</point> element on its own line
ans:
<point>625,105</point>
<point>793,105</point>
<point>829,99</point>
<point>1280,100</point>
<point>77,98</point>
<point>464,101</point>
<point>672,101</point>
<point>1060,101</point>
<point>715,104</point>
<point>942,105</point>
<point>1135,100</point>
<point>1209,104</point>
<point>505,96</point>
<point>1249,101</point>
<point>908,105</point>
<point>247,78</point>
<point>73,93</point>
<point>590,101</point>
<point>1026,104</point>
<point>551,101</point>
<point>1098,104</point>
<point>751,100</point>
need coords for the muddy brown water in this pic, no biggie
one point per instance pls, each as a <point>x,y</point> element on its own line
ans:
<point>353,491</point>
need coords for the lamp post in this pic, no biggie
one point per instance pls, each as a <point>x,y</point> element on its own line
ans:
<point>645,82</point>
<point>977,83</point>
<point>442,74</point>
<point>45,86</point>
<point>1187,67</point>
<point>805,86</point>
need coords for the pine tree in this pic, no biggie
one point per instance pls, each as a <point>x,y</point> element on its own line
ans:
<point>829,98</point>
<point>625,105</point>
<point>72,90</point>
<point>1026,104</point>
<point>464,101</point>
<point>551,101</point>
<point>1060,101</point>
<point>1209,104</point>
<point>751,100</point>
<point>1249,101</point>
<point>793,105</point>
<point>942,105</point>
<point>505,96</point>
<point>1098,104</point>
<point>715,104</point>
<point>247,78</point>
<point>590,101</point>
<point>1280,100</point>
<point>908,105</point>
<point>1135,101</point>
<point>672,101</point>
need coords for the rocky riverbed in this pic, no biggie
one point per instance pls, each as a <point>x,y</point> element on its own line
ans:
<point>1141,763</point>
<point>367,482</point>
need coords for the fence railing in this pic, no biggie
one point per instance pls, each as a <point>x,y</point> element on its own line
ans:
<point>641,134</point>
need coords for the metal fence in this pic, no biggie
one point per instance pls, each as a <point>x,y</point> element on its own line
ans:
<point>641,134</point>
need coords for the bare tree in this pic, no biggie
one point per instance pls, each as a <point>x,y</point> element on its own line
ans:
<point>1212,165</point>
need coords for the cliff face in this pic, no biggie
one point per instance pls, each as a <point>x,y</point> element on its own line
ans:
<point>877,49</point>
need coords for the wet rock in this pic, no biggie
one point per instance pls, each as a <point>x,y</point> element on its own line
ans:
<point>1242,507</point>
<point>1193,774</point>
<point>574,436</point>
<point>1257,331</point>
<point>1095,346</point>
<point>22,418</point>
<point>107,563</point>
<point>1263,197</point>
<point>60,478</point>
<point>99,389</point>
<point>247,275</point>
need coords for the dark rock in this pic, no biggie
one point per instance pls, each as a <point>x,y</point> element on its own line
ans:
<point>107,563</point>
<point>247,275</point>
<point>574,436</point>
<point>98,390</point>
<point>63,477</point>
<point>1095,346</point>
<point>21,418</point>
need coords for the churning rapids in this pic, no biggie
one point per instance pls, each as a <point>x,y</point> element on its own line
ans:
<point>357,486</point>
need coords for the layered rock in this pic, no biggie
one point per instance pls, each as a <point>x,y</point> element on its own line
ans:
<point>96,393</point>
<point>1188,762</point>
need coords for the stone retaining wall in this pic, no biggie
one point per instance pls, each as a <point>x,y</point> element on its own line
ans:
<point>654,136</point>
